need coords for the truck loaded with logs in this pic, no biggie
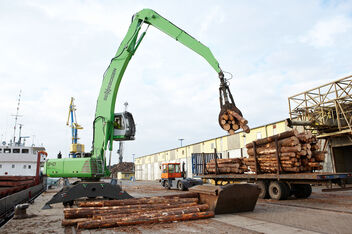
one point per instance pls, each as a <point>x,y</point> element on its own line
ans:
<point>281,165</point>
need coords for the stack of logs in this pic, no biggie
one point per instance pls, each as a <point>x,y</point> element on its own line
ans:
<point>297,152</point>
<point>227,165</point>
<point>147,210</point>
<point>232,121</point>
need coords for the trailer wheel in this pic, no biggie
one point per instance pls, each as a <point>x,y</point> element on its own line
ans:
<point>302,190</point>
<point>277,190</point>
<point>180,186</point>
<point>288,190</point>
<point>264,187</point>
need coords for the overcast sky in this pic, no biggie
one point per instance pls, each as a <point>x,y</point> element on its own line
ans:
<point>52,50</point>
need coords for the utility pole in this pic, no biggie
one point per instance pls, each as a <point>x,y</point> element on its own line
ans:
<point>181,139</point>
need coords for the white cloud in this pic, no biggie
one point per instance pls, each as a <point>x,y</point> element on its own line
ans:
<point>326,32</point>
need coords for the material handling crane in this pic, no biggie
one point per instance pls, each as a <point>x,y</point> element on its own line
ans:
<point>109,126</point>
<point>76,149</point>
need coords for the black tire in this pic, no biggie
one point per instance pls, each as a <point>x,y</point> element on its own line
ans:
<point>302,190</point>
<point>264,189</point>
<point>68,203</point>
<point>277,190</point>
<point>167,185</point>
<point>287,190</point>
<point>180,186</point>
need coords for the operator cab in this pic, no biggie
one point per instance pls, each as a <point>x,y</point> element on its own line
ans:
<point>171,170</point>
<point>124,127</point>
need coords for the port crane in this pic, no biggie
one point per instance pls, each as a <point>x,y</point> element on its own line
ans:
<point>76,149</point>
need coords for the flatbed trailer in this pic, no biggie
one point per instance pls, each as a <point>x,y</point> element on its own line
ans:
<point>277,186</point>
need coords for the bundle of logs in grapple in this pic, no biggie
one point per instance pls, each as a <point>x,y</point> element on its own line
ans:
<point>147,210</point>
<point>297,152</point>
<point>232,121</point>
<point>227,165</point>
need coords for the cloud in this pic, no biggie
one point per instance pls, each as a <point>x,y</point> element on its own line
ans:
<point>326,32</point>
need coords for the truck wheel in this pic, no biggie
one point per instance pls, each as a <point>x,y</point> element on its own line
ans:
<point>263,186</point>
<point>180,186</point>
<point>302,190</point>
<point>277,190</point>
<point>167,185</point>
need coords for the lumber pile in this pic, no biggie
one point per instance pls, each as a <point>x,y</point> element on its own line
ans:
<point>231,121</point>
<point>227,165</point>
<point>147,210</point>
<point>122,167</point>
<point>297,152</point>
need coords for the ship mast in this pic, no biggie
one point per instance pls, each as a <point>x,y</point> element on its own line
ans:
<point>16,116</point>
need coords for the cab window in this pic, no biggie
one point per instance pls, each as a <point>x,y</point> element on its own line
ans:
<point>171,168</point>
<point>118,122</point>
<point>16,151</point>
<point>164,168</point>
<point>177,168</point>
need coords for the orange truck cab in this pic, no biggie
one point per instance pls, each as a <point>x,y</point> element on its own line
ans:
<point>172,177</point>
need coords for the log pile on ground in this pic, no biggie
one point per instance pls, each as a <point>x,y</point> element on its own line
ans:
<point>297,152</point>
<point>122,167</point>
<point>228,165</point>
<point>231,121</point>
<point>147,210</point>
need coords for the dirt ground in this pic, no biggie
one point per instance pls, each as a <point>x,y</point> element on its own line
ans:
<point>321,213</point>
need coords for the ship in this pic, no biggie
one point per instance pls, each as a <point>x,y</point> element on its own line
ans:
<point>21,179</point>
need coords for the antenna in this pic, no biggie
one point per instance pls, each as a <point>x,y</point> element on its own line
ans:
<point>125,104</point>
<point>16,116</point>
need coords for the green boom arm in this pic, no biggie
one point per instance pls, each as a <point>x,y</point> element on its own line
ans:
<point>104,116</point>
<point>107,97</point>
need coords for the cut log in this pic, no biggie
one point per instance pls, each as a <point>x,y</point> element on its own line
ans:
<point>148,213</point>
<point>227,127</point>
<point>145,220</point>
<point>279,136</point>
<point>319,156</point>
<point>284,149</point>
<point>72,213</point>
<point>138,201</point>
<point>242,120</point>
<point>225,117</point>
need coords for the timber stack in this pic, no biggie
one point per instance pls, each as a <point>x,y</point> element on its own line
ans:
<point>231,121</point>
<point>289,151</point>
<point>227,165</point>
<point>147,210</point>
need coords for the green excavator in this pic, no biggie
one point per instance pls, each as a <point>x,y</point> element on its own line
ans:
<point>109,126</point>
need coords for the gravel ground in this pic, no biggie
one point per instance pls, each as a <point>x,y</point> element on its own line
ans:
<point>321,213</point>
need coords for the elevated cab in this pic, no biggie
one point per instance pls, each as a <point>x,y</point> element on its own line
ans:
<point>124,126</point>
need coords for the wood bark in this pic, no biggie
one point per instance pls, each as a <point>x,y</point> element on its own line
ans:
<point>147,213</point>
<point>284,149</point>
<point>71,213</point>
<point>137,201</point>
<point>145,220</point>
<point>272,138</point>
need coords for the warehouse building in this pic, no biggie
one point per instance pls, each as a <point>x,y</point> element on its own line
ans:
<point>148,167</point>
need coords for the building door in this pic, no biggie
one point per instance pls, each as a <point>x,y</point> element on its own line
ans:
<point>343,158</point>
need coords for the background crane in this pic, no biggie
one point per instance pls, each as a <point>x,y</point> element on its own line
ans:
<point>76,150</point>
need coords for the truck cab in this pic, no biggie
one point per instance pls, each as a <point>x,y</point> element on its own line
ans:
<point>173,177</point>
<point>171,170</point>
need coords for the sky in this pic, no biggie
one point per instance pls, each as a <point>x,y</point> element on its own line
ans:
<point>55,50</point>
